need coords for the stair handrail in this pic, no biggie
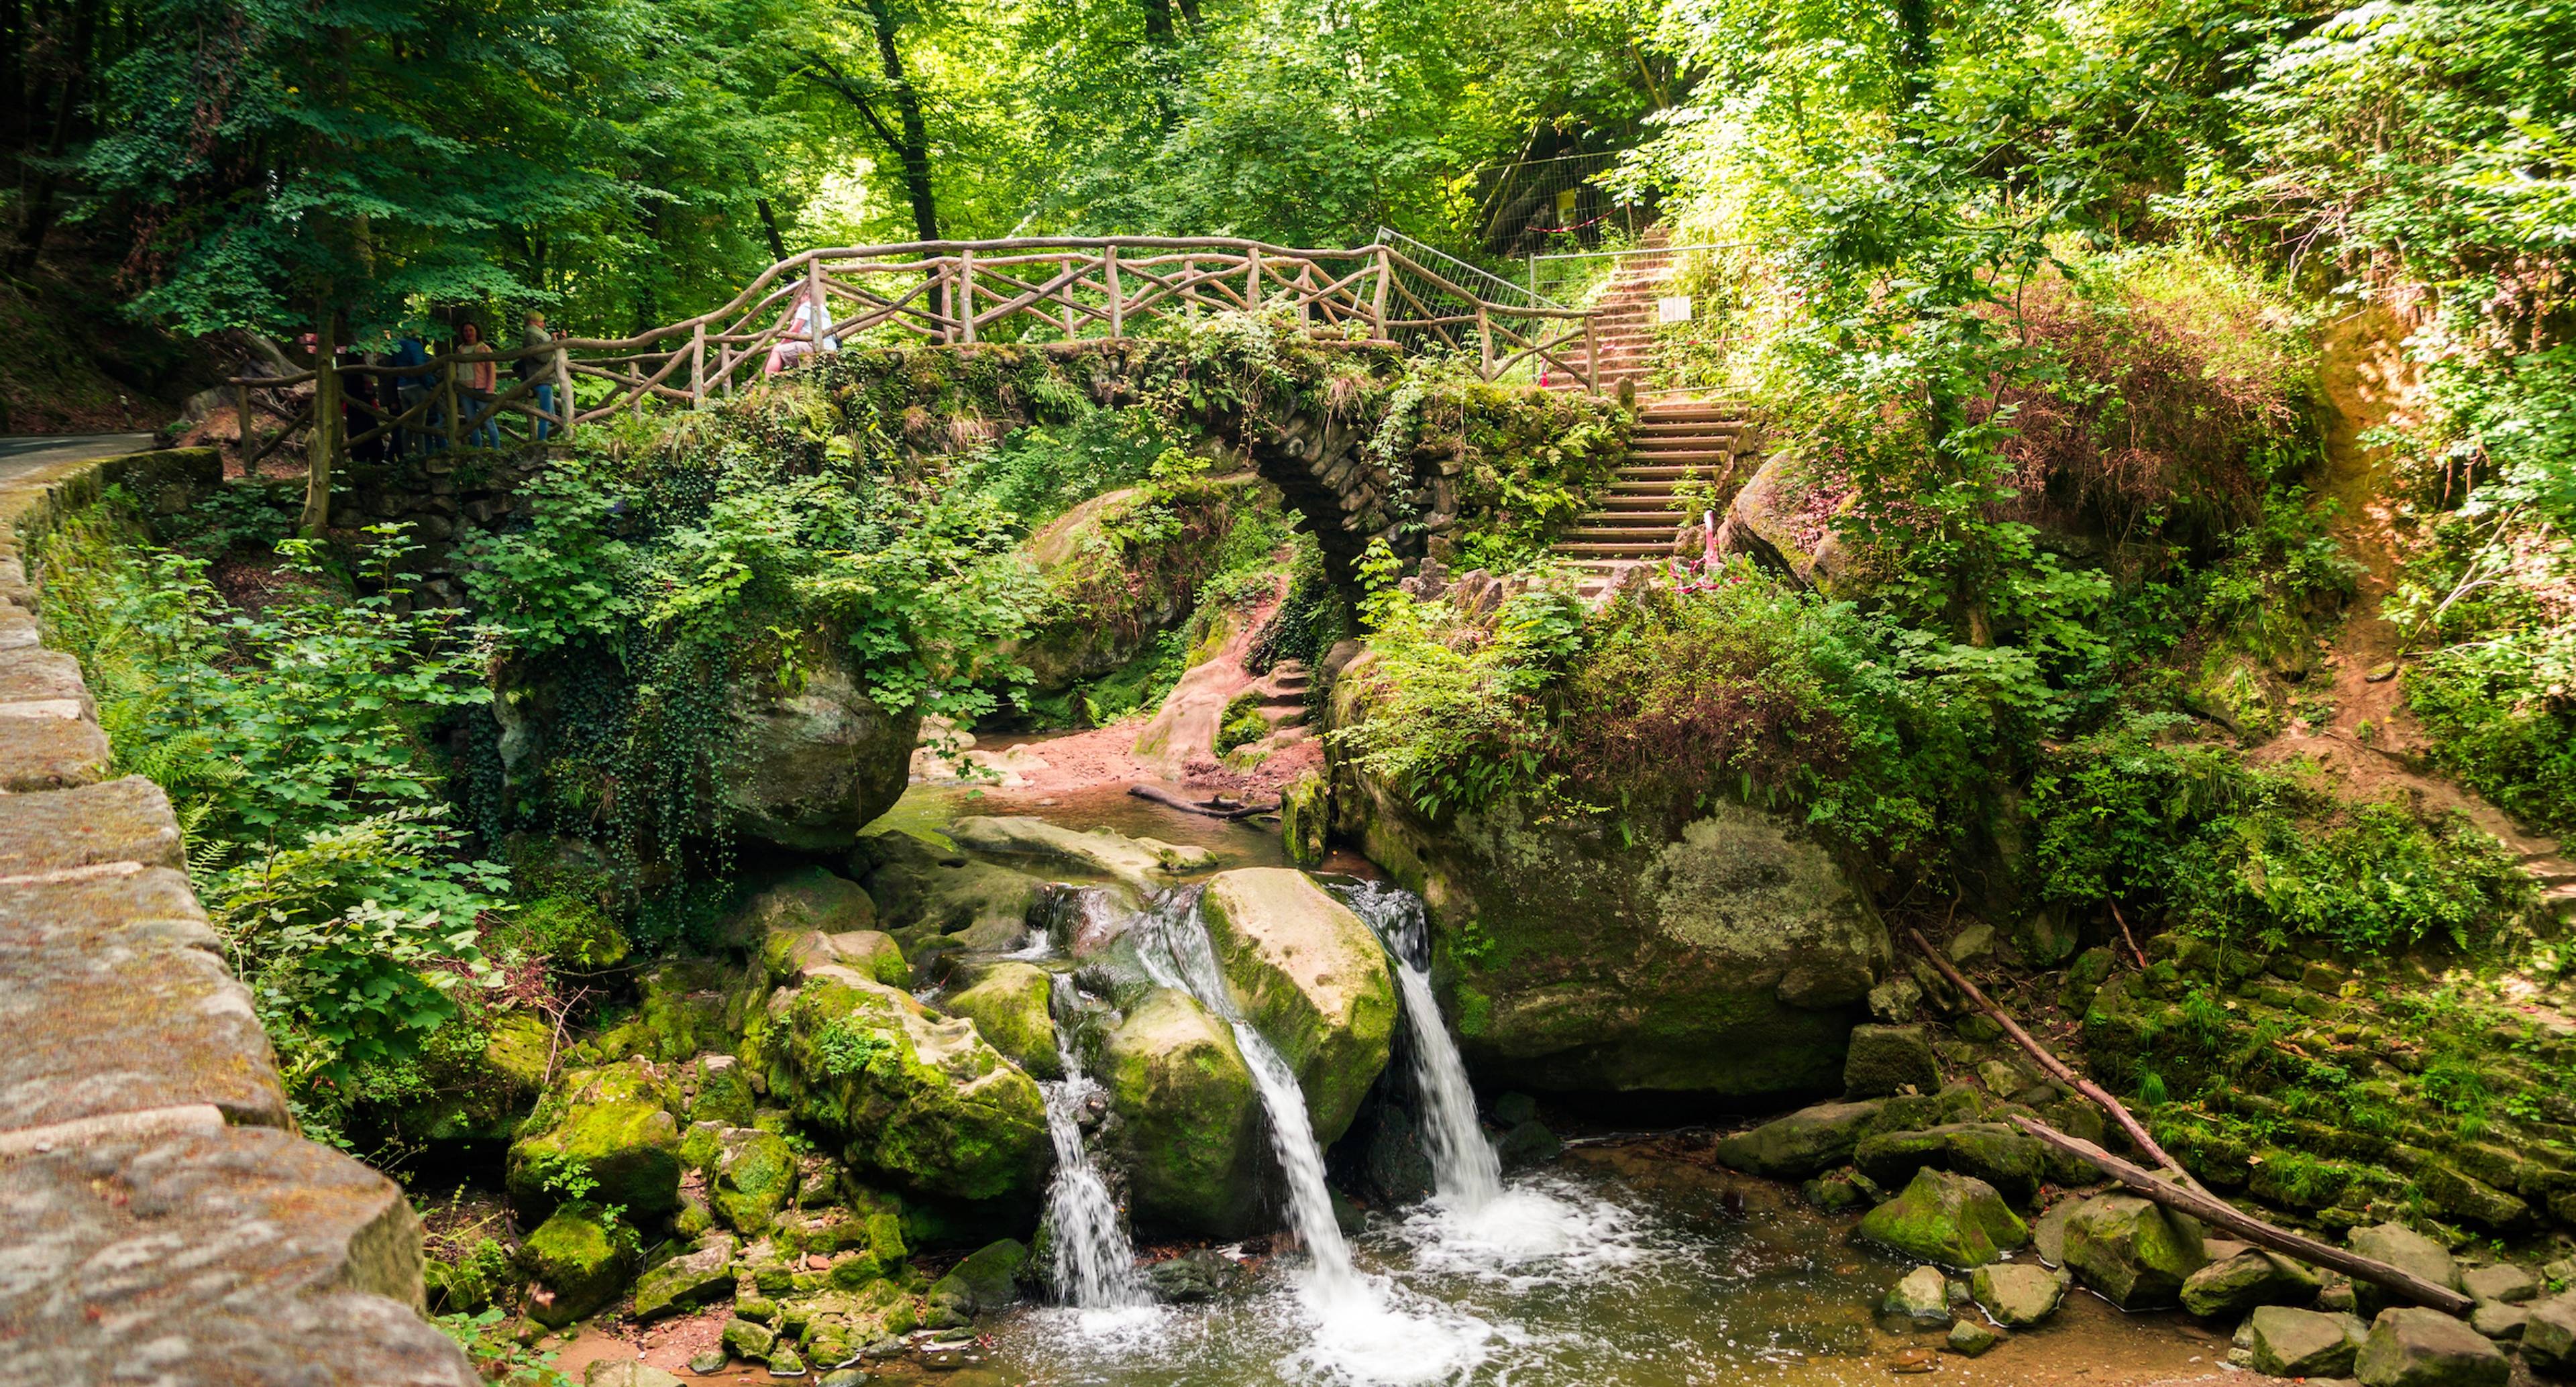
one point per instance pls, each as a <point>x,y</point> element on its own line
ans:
<point>1389,236</point>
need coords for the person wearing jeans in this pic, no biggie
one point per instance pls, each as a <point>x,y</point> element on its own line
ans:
<point>474,382</point>
<point>543,367</point>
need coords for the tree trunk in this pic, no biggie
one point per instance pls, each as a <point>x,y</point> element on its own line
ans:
<point>769,224</point>
<point>913,149</point>
<point>325,442</point>
<point>1158,21</point>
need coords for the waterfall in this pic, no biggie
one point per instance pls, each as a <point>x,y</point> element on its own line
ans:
<point>1465,1171</point>
<point>1095,1265</point>
<point>1192,959</point>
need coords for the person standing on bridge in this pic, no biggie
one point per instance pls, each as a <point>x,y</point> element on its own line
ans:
<point>475,380</point>
<point>410,389</point>
<point>543,366</point>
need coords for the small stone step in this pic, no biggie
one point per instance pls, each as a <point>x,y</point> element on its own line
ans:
<point>1604,550</point>
<point>1668,519</point>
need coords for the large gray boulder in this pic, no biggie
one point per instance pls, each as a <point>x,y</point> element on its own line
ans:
<point>2286,1342</point>
<point>1729,955</point>
<point>2017,1294</point>
<point>2413,1347</point>
<point>2549,1336</point>
<point>1802,1143</point>
<point>2226,1289</point>
<point>2013,1163</point>
<point>809,769</point>
<point>1954,1220</point>
<point>2404,1248</point>
<point>2132,1251</point>
<point>1311,977</point>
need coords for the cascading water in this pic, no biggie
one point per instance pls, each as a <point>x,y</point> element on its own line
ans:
<point>1465,1172</point>
<point>1192,960</point>
<point>1095,1265</point>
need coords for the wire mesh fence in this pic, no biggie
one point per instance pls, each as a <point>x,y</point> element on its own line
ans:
<point>1535,206</point>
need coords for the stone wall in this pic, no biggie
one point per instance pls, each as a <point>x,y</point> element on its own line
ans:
<point>162,1220</point>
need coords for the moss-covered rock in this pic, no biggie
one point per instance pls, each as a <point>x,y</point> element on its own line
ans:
<point>752,1177</point>
<point>868,1224</point>
<point>1148,864</point>
<point>579,1260</point>
<point>813,766</point>
<point>788,954</point>
<point>716,1088</point>
<point>680,1013</point>
<point>1189,1129</point>
<point>1803,1142</point>
<point>2006,1159</point>
<point>1888,1060</point>
<point>1305,818</point>
<point>1955,1220</point>
<point>2230,1288</point>
<point>1311,977</point>
<point>988,1280</point>
<point>482,1075</point>
<point>1729,956</point>
<point>1010,1005</point>
<point>914,1097</point>
<point>569,932</point>
<point>611,1127</point>
<point>926,890</point>
<point>700,1276</point>
<point>2134,1253</point>
<point>813,899</point>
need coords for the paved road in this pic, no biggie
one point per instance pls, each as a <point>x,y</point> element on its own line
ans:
<point>24,453</point>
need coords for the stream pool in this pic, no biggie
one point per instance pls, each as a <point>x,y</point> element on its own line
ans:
<point>1630,1263</point>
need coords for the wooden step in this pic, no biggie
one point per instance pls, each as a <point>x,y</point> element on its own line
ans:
<point>1592,549</point>
<point>1652,425</point>
<point>1679,472</point>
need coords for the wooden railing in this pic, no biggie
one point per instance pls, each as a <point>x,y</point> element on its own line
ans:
<point>948,293</point>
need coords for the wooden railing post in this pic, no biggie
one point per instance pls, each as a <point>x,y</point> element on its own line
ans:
<point>1485,339</point>
<point>966,296</point>
<point>819,312</point>
<point>1377,297</point>
<point>1591,356</point>
<point>563,391</point>
<point>1252,281</point>
<point>698,366</point>
<point>447,395</point>
<point>1117,309</point>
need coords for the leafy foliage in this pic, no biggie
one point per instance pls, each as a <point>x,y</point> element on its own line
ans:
<point>294,744</point>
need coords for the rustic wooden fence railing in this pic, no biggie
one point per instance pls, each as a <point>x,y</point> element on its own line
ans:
<point>940,293</point>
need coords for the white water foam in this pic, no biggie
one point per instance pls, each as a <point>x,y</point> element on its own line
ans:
<point>1095,1264</point>
<point>1465,1171</point>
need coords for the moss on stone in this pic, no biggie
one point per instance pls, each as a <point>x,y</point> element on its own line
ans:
<point>1955,1220</point>
<point>1189,1129</point>
<point>1011,1008</point>
<point>609,1126</point>
<point>580,1259</point>
<point>1312,978</point>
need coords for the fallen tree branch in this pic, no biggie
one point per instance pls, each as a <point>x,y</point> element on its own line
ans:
<point>1161,796</point>
<point>2218,1213</point>
<point>2056,1067</point>
<point>2134,951</point>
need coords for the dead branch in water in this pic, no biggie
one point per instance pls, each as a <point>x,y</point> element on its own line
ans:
<point>1212,809</point>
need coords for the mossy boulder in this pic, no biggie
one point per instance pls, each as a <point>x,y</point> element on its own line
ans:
<point>1801,1143</point>
<point>2006,1159</point>
<point>752,1177</point>
<point>813,899</point>
<point>2287,1342</point>
<point>1189,1132</point>
<point>1011,1006</point>
<point>701,1276</point>
<point>917,1098</point>
<point>2229,1288</point>
<point>788,954</point>
<point>680,1013</point>
<point>717,1088</point>
<point>2410,1346</point>
<point>1311,977</point>
<point>926,890</point>
<point>866,1222</point>
<point>2017,1295</point>
<point>988,1280</point>
<point>610,1126</point>
<point>579,1260</point>
<point>1727,955</point>
<point>1887,1060</point>
<point>1148,864</point>
<point>2132,1252</point>
<point>481,1077</point>
<point>811,767</point>
<point>569,932</point>
<point>1954,1220</point>
<point>1305,818</point>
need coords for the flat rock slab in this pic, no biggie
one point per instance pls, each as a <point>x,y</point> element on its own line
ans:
<point>33,674</point>
<point>235,1256</point>
<point>48,752</point>
<point>115,1001</point>
<point>124,820</point>
<point>2414,1347</point>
